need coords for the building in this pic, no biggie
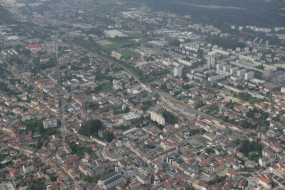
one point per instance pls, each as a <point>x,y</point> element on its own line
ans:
<point>226,68</point>
<point>200,69</point>
<point>158,118</point>
<point>187,63</point>
<point>267,73</point>
<point>178,71</point>
<point>249,75</point>
<point>116,55</point>
<point>234,70</point>
<point>222,52</point>
<point>263,162</point>
<point>111,180</point>
<point>35,48</point>
<point>49,123</point>
<point>241,73</point>
<point>28,168</point>
<point>144,178</point>
<point>114,33</point>
<point>211,60</point>
<point>219,67</point>
<point>216,78</point>
<point>111,155</point>
<point>7,185</point>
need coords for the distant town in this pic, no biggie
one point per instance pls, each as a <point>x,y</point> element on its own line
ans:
<point>121,94</point>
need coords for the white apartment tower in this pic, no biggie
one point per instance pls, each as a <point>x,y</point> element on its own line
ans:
<point>178,71</point>
<point>249,75</point>
<point>211,60</point>
<point>241,73</point>
<point>157,117</point>
<point>267,73</point>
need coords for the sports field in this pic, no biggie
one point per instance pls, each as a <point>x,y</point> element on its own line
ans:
<point>128,53</point>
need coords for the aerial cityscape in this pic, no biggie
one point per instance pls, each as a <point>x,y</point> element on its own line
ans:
<point>142,94</point>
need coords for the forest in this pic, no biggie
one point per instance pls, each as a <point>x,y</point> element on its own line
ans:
<point>245,12</point>
<point>6,16</point>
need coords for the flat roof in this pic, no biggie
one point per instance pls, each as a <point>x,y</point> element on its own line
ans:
<point>113,33</point>
<point>7,186</point>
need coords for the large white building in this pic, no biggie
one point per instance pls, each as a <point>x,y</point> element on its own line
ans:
<point>157,117</point>
<point>114,33</point>
<point>215,78</point>
<point>211,59</point>
<point>49,123</point>
<point>241,73</point>
<point>116,55</point>
<point>7,185</point>
<point>267,73</point>
<point>187,63</point>
<point>219,67</point>
<point>234,70</point>
<point>227,68</point>
<point>178,71</point>
<point>249,75</point>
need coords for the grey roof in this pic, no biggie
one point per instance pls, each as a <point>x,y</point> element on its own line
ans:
<point>111,177</point>
<point>111,180</point>
<point>112,174</point>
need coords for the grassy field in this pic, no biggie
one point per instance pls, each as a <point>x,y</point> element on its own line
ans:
<point>135,35</point>
<point>105,2</point>
<point>108,88</point>
<point>115,45</point>
<point>128,53</point>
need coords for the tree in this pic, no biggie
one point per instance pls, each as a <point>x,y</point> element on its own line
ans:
<point>226,118</point>
<point>108,136</point>
<point>39,144</point>
<point>199,104</point>
<point>229,131</point>
<point>91,128</point>
<point>96,31</point>
<point>215,85</point>
<point>88,178</point>
<point>53,178</point>
<point>127,182</point>
<point>175,43</point>
<point>210,150</point>
<point>252,150</point>
<point>169,117</point>
<point>218,179</point>
<point>230,104</point>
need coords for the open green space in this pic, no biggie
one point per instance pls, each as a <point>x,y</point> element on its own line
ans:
<point>79,150</point>
<point>105,2</point>
<point>108,88</point>
<point>135,34</point>
<point>112,46</point>
<point>128,53</point>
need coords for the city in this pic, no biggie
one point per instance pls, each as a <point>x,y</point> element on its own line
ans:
<point>142,95</point>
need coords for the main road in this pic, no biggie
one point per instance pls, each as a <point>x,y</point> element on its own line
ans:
<point>168,98</point>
